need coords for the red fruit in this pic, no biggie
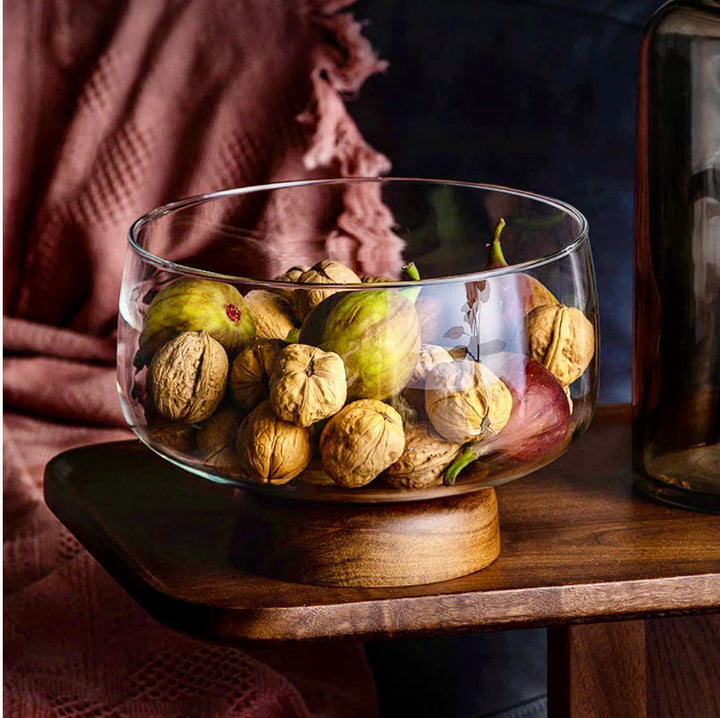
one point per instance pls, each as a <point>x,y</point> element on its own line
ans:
<point>540,415</point>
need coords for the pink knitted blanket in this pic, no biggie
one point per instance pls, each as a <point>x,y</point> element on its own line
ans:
<point>111,108</point>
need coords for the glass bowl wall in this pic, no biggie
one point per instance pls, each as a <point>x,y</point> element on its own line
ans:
<point>519,342</point>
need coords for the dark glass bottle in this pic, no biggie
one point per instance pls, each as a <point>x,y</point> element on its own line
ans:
<point>676,335</point>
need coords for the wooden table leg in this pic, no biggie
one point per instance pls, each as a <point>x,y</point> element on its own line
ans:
<point>656,668</point>
<point>597,670</point>
<point>683,666</point>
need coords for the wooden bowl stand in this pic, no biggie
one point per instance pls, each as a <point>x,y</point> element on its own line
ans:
<point>367,545</point>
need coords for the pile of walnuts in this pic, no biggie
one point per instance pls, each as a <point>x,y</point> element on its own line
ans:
<point>265,409</point>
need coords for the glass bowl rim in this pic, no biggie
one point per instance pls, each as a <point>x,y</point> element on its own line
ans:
<point>165,264</point>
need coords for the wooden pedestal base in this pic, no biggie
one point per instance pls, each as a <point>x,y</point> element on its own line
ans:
<point>391,544</point>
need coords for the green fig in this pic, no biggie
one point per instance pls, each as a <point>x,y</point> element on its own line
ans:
<point>376,332</point>
<point>193,305</point>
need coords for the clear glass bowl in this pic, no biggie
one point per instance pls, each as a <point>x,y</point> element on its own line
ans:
<point>392,389</point>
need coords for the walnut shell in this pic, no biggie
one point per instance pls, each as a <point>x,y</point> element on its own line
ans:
<point>375,279</point>
<point>173,435</point>
<point>360,442</point>
<point>307,385</point>
<point>562,339</point>
<point>291,275</point>
<point>430,356</point>
<point>458,353</point>
<point>216,441</point>
<point>405,406</point>
<point>268,350</point>
<point>187,377</point>
<point>328,271</point>
<point>422,463</point>
<point>270,450</point>
<point>272,313</point>
<point>250,372</point>
<point>465,400</point>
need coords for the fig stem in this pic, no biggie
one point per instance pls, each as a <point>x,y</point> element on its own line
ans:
<point>496,258</point>
<point>412,271</point>
<point>471,453</point>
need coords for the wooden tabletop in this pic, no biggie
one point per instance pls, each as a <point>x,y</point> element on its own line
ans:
<point>578,545</point>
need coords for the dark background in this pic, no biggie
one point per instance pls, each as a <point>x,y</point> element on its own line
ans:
<point>537,95</point>
<point>533,94</point>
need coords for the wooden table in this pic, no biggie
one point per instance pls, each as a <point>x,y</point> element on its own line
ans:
<point>629,588</point>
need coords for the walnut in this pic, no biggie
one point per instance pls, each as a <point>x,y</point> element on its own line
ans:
<point>187,377</point>
<point>270,450</point>
<point>268,350</point>
<point>314,474</point>
<point>562,339</point>
<point>405,406</point>
<point>328,271</point>
<point>291,275</point>
<point>172,435</point>
<point>430,356</point>
<point>272,313</point>
<point>307,385</point>
<point>375,279</point>
<point>360,442</point>
<point>250,372</point>
<point>458,353</point>
<point>216,441</point>
<point>465,400</point>
<point>422,463</point>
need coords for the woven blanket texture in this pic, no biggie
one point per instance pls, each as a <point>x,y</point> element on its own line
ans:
<point>113,107</point>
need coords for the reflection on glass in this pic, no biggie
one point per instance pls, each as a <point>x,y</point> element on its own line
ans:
<point>676,367</point>
<point>392,356</point>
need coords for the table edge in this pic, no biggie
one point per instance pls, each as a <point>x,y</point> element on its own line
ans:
<point>495,609</point>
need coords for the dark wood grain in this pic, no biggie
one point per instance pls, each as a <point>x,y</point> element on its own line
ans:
<point>683,666</point>
<point>597,670</point>
<point>577,545</point>
<point>366,544</point>
<point>652,668</point>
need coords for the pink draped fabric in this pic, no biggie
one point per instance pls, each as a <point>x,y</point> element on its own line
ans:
<point>113,107</point>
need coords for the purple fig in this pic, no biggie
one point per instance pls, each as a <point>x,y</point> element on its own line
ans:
<point>539,420</point>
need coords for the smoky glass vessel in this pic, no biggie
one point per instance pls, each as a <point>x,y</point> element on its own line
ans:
<point>364,340</point>
<point>676,338</point>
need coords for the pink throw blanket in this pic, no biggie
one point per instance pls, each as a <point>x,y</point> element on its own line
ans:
<point>112,108</point>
